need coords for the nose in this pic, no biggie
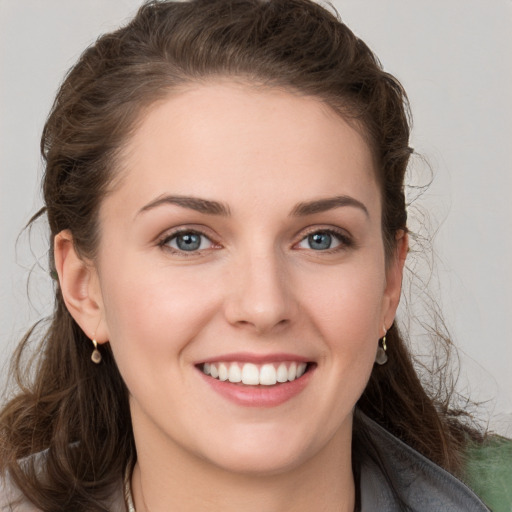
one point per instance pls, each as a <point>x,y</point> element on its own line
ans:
<point>260,296</point>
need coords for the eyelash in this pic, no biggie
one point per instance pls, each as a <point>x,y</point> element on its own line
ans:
<point>168,237</point>
<point>345,241</point>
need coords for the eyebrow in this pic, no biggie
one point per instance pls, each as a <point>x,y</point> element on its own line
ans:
<point>210,207</point>
<point>194,203</point>
<point>323,205</point>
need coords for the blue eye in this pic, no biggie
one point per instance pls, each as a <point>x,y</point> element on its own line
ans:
<point>188,241</point>
<point>320,241</point>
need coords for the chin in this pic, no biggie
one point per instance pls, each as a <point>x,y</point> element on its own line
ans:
<point>259,464</point>
<point>262,453</point>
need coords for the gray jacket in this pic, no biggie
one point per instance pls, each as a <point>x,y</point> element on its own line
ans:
<point>421,485</point>
<point>410,482</point>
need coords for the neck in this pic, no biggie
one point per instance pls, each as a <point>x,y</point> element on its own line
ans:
<point>164,481</point>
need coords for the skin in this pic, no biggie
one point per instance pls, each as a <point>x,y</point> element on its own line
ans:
<point>256,286</point>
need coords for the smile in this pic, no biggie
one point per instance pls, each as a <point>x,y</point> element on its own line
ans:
<point>250,374</point>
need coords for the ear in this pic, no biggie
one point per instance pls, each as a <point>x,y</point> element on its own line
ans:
<point>394,274</point>
<point>80,287</point>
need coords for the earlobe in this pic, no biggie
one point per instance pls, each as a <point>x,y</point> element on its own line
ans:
<point>80,287</point>
<point>394,275</point>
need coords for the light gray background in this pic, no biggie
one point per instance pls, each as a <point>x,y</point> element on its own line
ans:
<point>454,58</point>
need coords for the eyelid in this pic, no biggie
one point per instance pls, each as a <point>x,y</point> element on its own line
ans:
<point>346,240</point>
<point>164,239</point>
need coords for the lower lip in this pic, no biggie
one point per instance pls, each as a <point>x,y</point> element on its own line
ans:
<point>259,396</point>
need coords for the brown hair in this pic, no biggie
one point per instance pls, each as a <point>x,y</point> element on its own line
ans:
<point>79,411</point>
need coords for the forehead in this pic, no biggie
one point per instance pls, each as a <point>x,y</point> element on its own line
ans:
<point>263,142</point>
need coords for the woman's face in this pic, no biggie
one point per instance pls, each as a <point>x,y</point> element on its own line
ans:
<point>243,241</point>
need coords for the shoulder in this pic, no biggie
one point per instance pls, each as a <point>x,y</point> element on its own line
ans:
<point>489,471</point>
<point>13,500</point>
<point>402,478</point>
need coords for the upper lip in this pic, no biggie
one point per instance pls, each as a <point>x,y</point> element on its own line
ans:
<point>244,357</point>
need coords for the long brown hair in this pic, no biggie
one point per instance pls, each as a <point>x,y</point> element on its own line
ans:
<point>79,411</point>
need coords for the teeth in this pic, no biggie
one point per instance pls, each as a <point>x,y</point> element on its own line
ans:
<point>223,372</point>
<point>282,373</point>
<point>268,375</point>
<point>234,373</point>
<point>250,374</point>
<point>292,371</point>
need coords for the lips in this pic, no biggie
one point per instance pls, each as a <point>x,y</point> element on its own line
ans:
<point>252,374</point>
<point>257,381</point>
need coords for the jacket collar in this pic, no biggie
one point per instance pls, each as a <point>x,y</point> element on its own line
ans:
<point>394,476</point>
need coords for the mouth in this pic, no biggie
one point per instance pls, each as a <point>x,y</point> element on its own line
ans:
<point>252,374</point>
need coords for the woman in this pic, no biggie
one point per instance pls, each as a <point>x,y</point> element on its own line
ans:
<point>224,189</point>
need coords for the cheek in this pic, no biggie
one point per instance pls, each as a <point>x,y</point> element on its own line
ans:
<point>348,314</point>
<point>344,309</point>
<point>157,310</point>
<point>347,304</point>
